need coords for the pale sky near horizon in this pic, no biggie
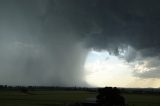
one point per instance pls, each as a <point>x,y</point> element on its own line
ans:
<point>103,69</point>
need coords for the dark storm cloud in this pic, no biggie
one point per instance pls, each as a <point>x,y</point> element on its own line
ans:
<point>46,41</point>
<point>129,27</point>
<point>38,44</point>
<point>127,22</point>
<point>113,24</point>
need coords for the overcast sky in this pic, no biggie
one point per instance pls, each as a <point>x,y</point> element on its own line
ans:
<point>47,42</point>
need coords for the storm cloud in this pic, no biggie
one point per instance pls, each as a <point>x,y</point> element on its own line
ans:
<point>39,45</point>
<point>45,42</point>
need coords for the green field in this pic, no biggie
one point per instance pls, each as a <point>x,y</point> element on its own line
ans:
<point>42,98</point>
<point>142,99</point>
<point>59,98</point>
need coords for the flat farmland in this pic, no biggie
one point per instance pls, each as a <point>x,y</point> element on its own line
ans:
<point>61,98</point>
<point>142,99</point>
<point>43,98</point>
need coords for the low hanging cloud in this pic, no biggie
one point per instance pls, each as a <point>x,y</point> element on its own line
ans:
<point>130,28</point>
<point>127,27</point>
<point>45,42</point>
<point>38,44</point>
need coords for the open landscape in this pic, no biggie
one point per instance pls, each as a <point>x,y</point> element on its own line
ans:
<point>79,52</point>
<point>64,98</point>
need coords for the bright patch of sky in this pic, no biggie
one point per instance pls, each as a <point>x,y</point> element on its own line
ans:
<point>103,69</point>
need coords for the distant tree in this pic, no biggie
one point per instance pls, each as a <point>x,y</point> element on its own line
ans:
<point>109,96</point>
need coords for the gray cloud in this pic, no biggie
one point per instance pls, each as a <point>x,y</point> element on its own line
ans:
<point>39,45</point>
<point>149,74</point>
<point>127,22</point>
<point>147,68</point>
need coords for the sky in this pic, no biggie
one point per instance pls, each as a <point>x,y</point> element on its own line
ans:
<point>78,42</point>
<point>103,69</point>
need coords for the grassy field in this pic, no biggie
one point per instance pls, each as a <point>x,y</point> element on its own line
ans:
<point>142,99</point>
<point>59,98</point>
<point>42,98</point>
